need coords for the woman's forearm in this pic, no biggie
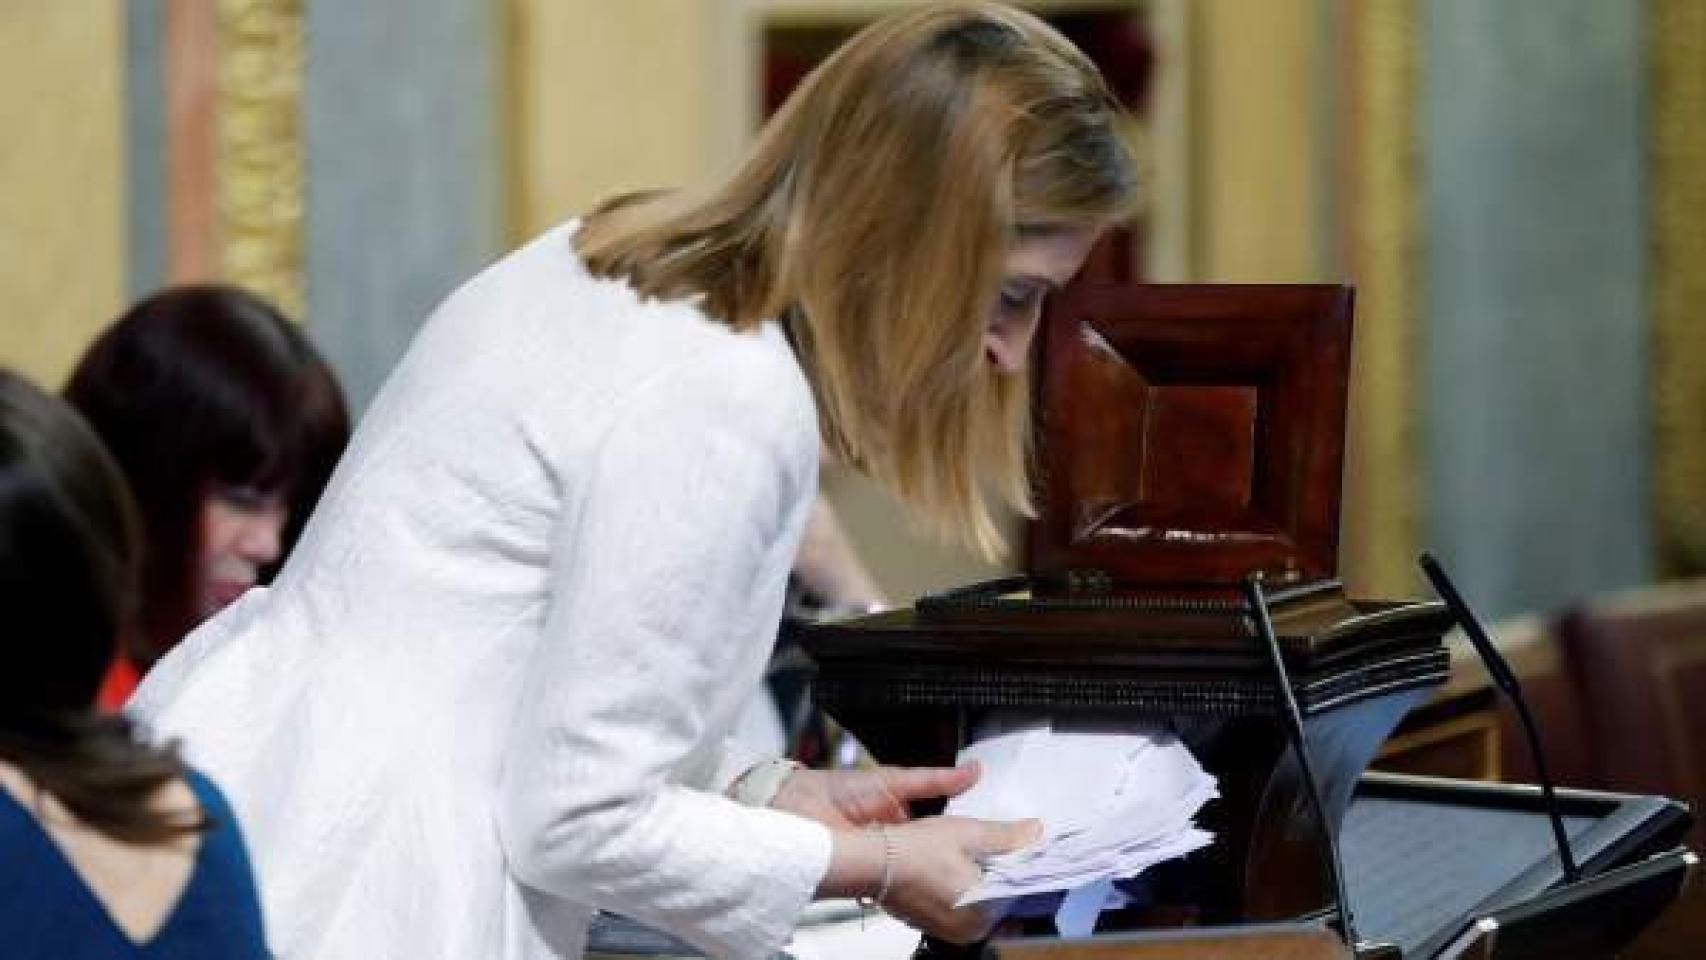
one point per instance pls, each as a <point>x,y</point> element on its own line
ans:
<point>855,864</point>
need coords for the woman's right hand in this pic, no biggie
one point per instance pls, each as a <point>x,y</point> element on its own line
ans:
<point>934,862</point>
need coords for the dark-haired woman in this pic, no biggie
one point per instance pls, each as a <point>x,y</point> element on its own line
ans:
<point>226,423</point>
<point>111,848</point>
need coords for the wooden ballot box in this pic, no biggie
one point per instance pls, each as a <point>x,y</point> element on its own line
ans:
<point>1186,436</point>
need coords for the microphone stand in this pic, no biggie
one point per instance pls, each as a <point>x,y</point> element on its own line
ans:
<point>1505,679</point>
<point>1294,728</point>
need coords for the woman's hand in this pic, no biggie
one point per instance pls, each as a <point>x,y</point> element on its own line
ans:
<point>929,864</point>
<point>849,799</point>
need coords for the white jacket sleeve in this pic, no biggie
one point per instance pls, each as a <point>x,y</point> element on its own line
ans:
<point>693,507</point>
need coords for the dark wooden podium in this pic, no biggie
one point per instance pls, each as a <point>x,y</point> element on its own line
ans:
<point>1186,437</point>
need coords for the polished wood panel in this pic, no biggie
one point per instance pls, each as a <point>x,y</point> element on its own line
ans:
<point>1204,945</point>
<point>1192,434</point>
<point>1466,747</point>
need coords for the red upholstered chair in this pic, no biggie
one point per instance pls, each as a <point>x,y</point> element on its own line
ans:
<point>1639,665</point>
<point>1639,661</point>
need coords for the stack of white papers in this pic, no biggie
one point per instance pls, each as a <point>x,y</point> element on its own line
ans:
<point>1114,800</point>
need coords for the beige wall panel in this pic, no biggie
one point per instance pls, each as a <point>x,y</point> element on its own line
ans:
<point>61,180</point>
<point>903,558</point>
<point>808,11</point>
<point>1257,147</point>
<point>1170,198</point>
<point>612,97</point>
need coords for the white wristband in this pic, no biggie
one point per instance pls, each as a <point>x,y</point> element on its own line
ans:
<point>759,785</point>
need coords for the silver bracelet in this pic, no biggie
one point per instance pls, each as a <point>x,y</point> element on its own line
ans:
<point>889,856</point>
<point>873,903</point>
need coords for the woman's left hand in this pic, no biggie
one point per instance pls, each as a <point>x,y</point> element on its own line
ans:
<point>850,799</point>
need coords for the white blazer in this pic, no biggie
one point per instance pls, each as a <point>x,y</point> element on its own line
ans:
<point>487,694</point>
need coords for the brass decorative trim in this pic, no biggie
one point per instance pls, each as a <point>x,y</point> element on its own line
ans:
<point>1676,31</point>
<point>258,154</point>
<point>1384,527</point>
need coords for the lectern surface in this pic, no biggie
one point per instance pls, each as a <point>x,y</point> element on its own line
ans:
<point>1410,864</point>
<point>1423,856</point>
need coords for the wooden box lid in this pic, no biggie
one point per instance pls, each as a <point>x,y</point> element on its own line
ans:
<point>1189,434</point>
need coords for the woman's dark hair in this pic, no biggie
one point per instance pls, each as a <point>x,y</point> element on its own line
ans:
<point>68,569</point>
<point>197,388</point>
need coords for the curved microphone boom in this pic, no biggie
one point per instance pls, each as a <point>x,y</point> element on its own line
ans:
<point>1505,679</point>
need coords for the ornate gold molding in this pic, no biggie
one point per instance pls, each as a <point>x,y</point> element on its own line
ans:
<point>1676,31</point>
<point>258,153</point>
<point>1383,513</point>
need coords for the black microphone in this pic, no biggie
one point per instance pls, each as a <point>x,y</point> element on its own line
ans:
<point>1294,727</point>
<point>1505,679</point>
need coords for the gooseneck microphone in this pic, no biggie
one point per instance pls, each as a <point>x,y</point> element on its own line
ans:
<point>1258,604</point>
<point>1505,679</point>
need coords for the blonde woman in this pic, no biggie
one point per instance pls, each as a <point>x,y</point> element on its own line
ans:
<point>487,694</point>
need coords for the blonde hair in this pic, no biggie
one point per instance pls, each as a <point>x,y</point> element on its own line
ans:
<point>873,215</point>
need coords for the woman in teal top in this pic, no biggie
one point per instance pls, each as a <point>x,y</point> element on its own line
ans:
<point>109,847</point>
